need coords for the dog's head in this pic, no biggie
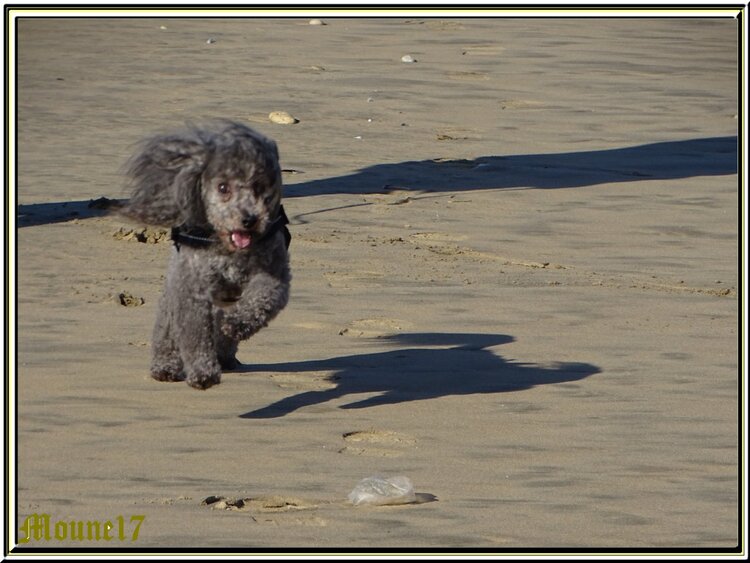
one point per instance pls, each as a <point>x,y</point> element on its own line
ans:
<point>241,186</point>
<point>226,178</point>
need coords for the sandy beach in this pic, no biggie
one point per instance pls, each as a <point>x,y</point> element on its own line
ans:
<point>515,282</point>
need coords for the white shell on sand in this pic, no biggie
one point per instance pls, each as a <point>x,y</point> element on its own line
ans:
<point>317,22</point>
<point>408,59</point>
<point>282,118</point>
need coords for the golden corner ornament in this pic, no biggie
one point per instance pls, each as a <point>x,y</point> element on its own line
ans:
<point>39,527</point>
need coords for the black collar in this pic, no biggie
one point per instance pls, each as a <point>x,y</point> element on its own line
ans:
<point>203,237</point>
<point>194,237</point>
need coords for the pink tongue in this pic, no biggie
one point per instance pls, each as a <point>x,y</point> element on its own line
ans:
<point>241,239</point>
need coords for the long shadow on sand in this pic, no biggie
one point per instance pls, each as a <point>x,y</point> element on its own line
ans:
<point>656,161</point>
<point>424,366</point>
<point>34,214</point>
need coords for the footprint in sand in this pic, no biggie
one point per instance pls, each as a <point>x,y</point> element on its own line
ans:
<point>375,327</point>
<point>273,510</point>
<point>264,503</point>
<point>278,503</point>
<point>354,280</point>
<point>441,243</point>
<point>437,237</point>
<point>377,443</point>
<point>454,134</point>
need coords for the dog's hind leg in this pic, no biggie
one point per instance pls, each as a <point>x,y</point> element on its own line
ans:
<point>195,339</point>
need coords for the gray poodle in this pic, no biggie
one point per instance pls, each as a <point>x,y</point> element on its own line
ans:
<point>219,189</point>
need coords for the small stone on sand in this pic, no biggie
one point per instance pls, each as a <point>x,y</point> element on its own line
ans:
<point>128,300</point>
<point>282,118</point>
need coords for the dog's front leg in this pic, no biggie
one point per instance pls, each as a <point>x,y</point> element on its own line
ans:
<point>262,299</point>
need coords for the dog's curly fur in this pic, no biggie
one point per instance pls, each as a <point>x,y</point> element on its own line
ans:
<point>223,178</point>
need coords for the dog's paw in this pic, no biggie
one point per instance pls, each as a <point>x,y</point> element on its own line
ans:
<point>237,329</point>
<point>162,375</point>
<point>203,382</point>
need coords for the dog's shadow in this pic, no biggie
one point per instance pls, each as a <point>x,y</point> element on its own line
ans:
<point>423,366</point>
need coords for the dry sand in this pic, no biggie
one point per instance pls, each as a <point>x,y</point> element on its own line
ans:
<point>515,283</point>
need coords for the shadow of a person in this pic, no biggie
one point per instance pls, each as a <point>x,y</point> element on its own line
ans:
<point>435,365</point>
<point>655,161</point>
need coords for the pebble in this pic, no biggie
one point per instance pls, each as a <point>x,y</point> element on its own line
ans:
<point>127,300</point>
<point>282,118</point>
<point>408,59</point>
<point>317,22</point>
<point>210,40</point>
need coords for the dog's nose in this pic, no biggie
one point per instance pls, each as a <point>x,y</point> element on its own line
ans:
<point>249,221</point>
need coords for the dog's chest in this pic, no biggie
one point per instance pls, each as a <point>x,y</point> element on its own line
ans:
<point>230,280</point>
<point>232,274</point>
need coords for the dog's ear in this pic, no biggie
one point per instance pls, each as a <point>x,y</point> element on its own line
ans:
<point>165,180</point>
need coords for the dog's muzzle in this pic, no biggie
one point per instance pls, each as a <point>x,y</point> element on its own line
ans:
<point>202,237</point>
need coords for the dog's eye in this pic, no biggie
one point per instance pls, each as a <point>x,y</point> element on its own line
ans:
<point>223,188</point>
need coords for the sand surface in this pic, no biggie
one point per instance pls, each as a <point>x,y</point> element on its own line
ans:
<point>515,282</point>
